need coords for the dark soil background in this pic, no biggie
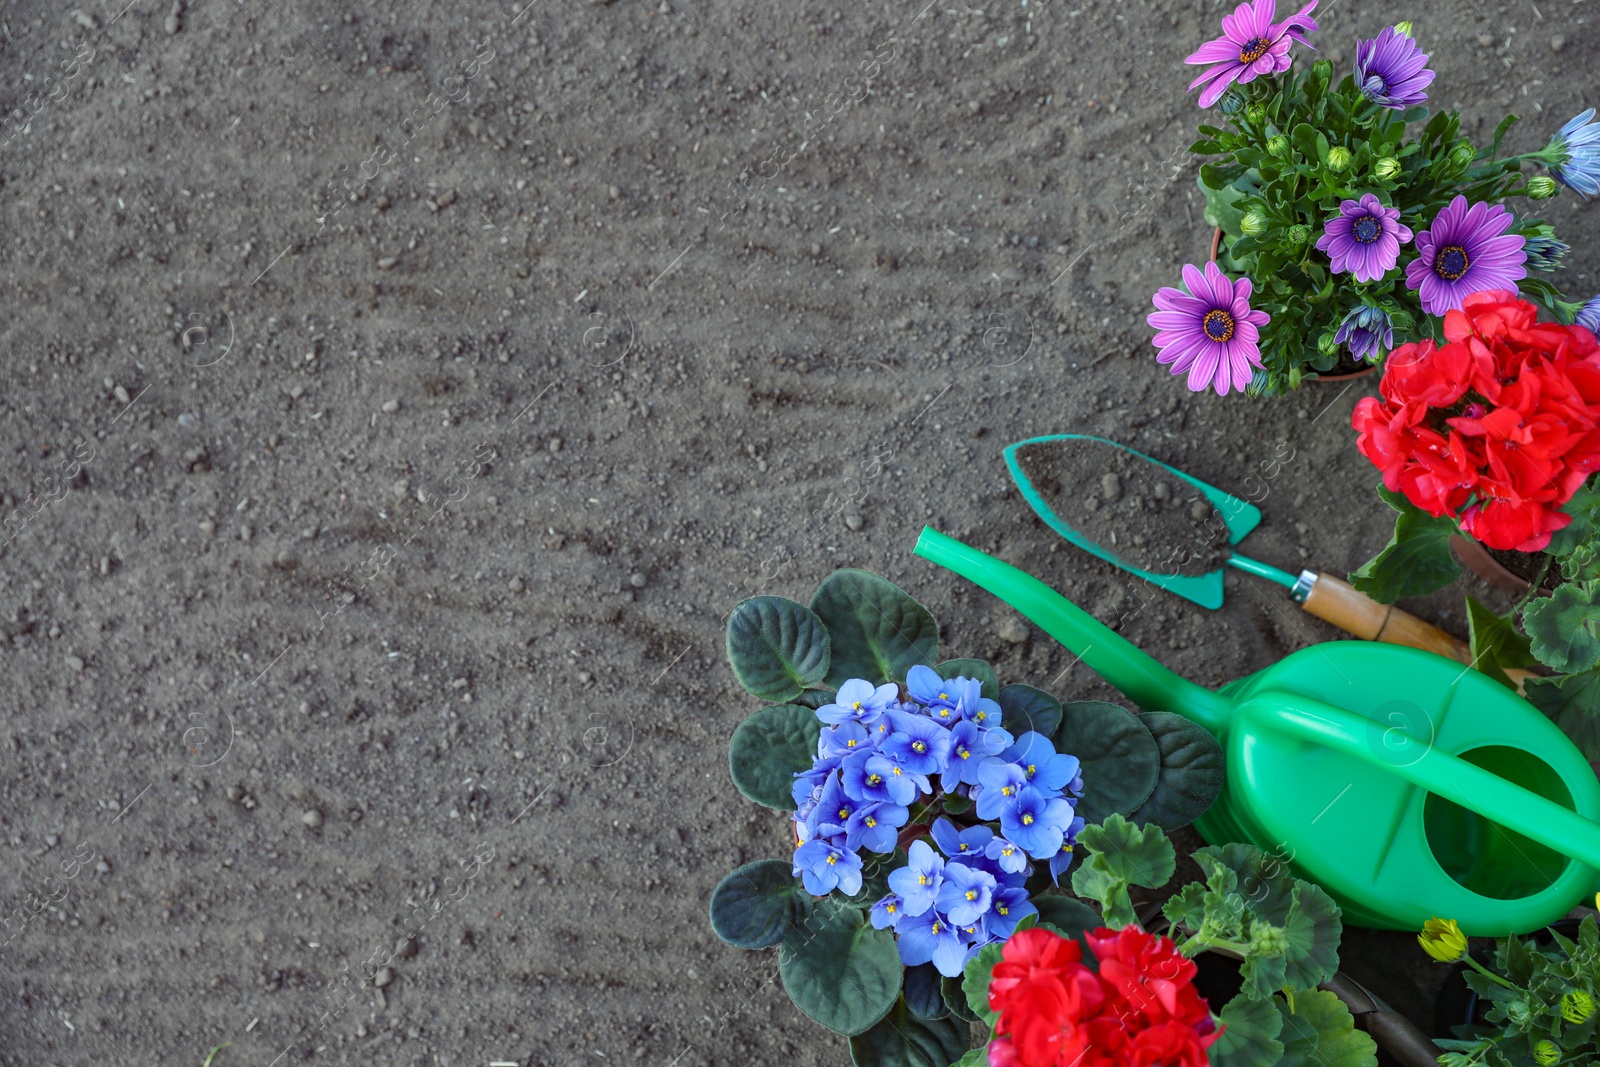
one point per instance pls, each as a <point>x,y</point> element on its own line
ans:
<point>388,598</point>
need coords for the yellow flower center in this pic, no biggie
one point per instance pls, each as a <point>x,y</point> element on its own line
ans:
<point>874,779</point>
<point>922,879</point>
<point>1031,770</point>
<point>935,928</point>
<point>871,821</point>
<point>963,753</point>
<point>1002,909</point>
<point>1005,790</point>
<point>972,894</point>
<point>844,813</point>
<point>856,706</point>
<point>919,746</point>
<point>832,860</point>
<point>850,743</point>
<point>1027,820</point>
<point>889,908</point>
<point>944,696</point>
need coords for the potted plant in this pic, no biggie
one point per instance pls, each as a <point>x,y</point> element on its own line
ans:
<point>933,809</point>
<point>1495,435</point>
<point>1348,214</point>
<point>1132,997</point>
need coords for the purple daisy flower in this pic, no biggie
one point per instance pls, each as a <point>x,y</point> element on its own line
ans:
<point>1368,333</point>
<point>1466,250</point>
<point>1577,147</point>
<point>1364,238</point>
<point>1391,70</point>
<point>1251,45</point>
<point>1210,331</point>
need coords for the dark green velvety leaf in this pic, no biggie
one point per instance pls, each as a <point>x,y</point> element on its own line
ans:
<point>769,748</point>
<point>975,1057</point>
<point>1121,759</point>
<point>777,648</point>
<point>1417,559</point>
<point>1312,929</point>
<point>1250,1034</point>
<point>956,999</point>
<point>814,698</point>
<point>1565,627</point>
<point>972,668</point>
<point>1024,708</point>
<point>1320,1032</point>
<point>902,1039</point>
<point>1496,644</point>
<point>1068,914</point>
<point>1191,772</point>
<point>975,983</point>
<point>839,970</point>
<point>878,632</point>
<point>756,905</point>
<point>923,993</point>
<point>1573,703</point>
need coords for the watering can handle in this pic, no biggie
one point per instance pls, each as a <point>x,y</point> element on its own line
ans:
<point>1448,776</point>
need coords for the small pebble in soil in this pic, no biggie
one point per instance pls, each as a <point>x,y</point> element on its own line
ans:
<point>638,580</point>
<point>515,585</point>
<point>75,663</point>
<point>854,520</point>
<point>312,818</point>
<point>1111,486</point>
<point>103,867</point>
<point>383,977</point>
<point>390,407</point>
<point>236,792</point>
<point>1557,43</point>
<point>1011,629</point>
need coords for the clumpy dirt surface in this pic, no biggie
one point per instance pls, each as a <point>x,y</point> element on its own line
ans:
<point>398,397</point>
<point>1127,505</point>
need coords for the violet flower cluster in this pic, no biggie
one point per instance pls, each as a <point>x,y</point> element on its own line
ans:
<point>880,752</point>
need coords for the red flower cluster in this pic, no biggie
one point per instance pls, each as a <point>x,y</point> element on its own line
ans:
<point>1497,428</point>
<point>1140,1010</point>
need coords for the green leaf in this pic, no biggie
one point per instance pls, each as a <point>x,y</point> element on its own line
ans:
<point>1263,881</point>
<point>1573,703</point>
<point>1584,507</point>
<point>1320,1032</point>
<point>1263,976</point>
<point>1312,929</point>
<point>923,994</point>
<point>975,1057</point>
<point>1067,914</point>
<point>1120,854</point>
<point>1565,627</point>
<point>778,649</point>
<point>756,905</point>
<point>1249,1035</point>
<point>975,982</point>
<point>1222,208</point>
<point>769,748</point>
<point>1120,757</point>
<point>839,970</point>
<point>955,998</point>
<point>1024,708</point>
<point>1191,772</point>
<point>1496,644</point>
<point>972,668</point>
<point>901,1039</point>
<point>1417,559</point>
<point>878,631</point>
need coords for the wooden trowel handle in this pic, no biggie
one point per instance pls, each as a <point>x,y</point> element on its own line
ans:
<point>1351,610</point>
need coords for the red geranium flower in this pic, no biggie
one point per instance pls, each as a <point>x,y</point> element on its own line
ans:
<point>1497,428</point>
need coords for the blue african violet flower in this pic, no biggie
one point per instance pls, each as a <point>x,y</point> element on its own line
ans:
<point>1045,770</point>
<point>1009,906</point>
<point>998,784</point>
<point>964,894</point>
<point>1063,859</point>
<point>843,740</point>
<point>887,913</point>
<point>824,867</point>
<point>1577,148</point>
<point>917,883</point>
<point>918,743</point>
<point>959,844</point>
<point>1368,333</point>
<point>930,937</point>
<point>1007,855</point>
<point>1037,822</point>
<point>941,697</point>
<point>869,776</point>
<point>1589,315</point>
<point>859,701</point>
<point>970,745</point>
<point>875,827</point>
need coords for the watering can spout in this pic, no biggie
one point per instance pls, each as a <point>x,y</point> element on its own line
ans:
<point>1138,675</point>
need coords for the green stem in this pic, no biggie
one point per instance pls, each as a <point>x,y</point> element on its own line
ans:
<point>1481,969</point>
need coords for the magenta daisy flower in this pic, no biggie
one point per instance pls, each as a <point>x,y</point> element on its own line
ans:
<point>1210,331</point>
<point>1251,45</point>
<point>1466,250</point>
<point>1391,70</point>
<point>1364,238</point>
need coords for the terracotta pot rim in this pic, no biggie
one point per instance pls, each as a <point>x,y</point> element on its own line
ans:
<point>1475,557</point>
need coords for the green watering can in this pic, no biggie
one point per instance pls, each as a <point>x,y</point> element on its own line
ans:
<point>1403,784</point>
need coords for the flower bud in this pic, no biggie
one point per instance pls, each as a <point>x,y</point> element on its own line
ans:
<point>1577,1006</point>
<point>1278,145</point>
<point>1338,158</point>
<point>1462,155</point>
<point>1328,344</point>
<point>1254,224</point>
<point>1256,113</point>
<point>1232,103</point>
<point>1386,169</point>
<point>1296,375</point>
<point>1298,234</point>
<point>1542,187</point>
<point>1258,383</point>
<point>1546,1053</point>
<point>1443,940</point>
<point>1403,29</point>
